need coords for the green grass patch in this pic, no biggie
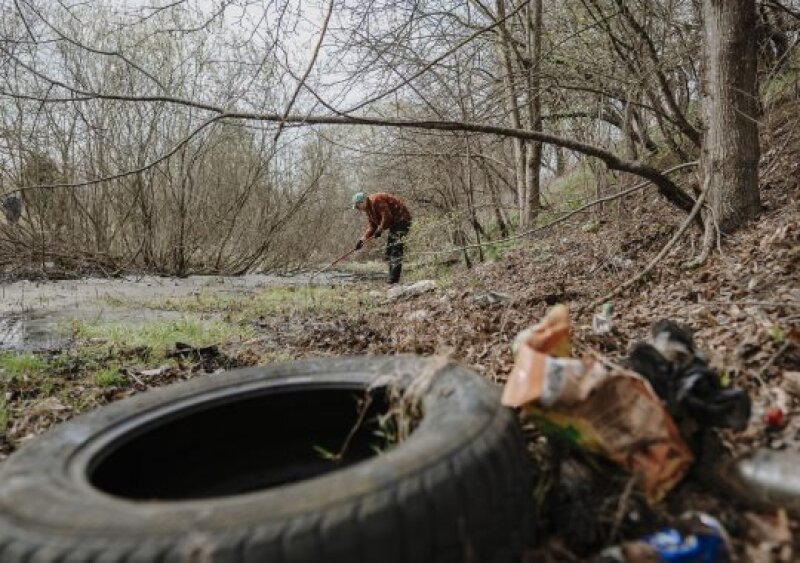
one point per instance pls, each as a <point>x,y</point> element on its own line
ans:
<point>116,302</point>
<point>591,226</point>
<point>275,357</point>
<point>277,300</point>
<point>109,377</point>
<point>4,416</point>
<point>302,299</point>
<point>161,336</point>
<point>493,230</point>
<point>14,365</point>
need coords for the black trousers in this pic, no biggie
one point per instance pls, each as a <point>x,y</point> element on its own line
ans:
<point>395,240</point>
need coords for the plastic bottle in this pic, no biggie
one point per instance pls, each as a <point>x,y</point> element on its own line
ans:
<point>601,322</point>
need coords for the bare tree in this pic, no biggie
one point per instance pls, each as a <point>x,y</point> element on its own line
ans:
<point>189,136</point>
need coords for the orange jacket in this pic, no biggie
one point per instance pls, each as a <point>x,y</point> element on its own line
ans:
<point>385,211</point>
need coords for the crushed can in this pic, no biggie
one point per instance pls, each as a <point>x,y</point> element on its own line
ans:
<point>707,544</point>
<point>701,539</point>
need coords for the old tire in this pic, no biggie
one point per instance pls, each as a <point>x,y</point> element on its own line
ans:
<point>458,489</point>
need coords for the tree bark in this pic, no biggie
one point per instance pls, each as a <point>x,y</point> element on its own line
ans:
<point>512,104</point>
<point>533,157</point>
<point>730,149</point>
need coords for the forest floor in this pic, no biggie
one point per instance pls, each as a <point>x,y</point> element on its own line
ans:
<point>743,305</point>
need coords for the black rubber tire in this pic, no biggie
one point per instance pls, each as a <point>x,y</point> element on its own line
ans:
<point>458,489</point>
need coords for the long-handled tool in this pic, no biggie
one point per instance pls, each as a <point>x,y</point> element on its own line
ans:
<point>332,264</point>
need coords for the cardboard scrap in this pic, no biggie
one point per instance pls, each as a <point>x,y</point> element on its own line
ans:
<point>600,407</point>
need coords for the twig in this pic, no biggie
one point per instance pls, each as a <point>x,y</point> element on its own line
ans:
<point>561,219</point>
<point>775,155</point>
<point>785,304</point>
<point>773,359</point>
<point>678,234</point>
<point>364,407</point>
<point>146,167</point>
<point>310,66</point>
<point>622,505</point>
<point>135,378</point>
<point>776,4</point>
<point>130,262</point>
<point>25,22</point>
<point>94,50</point>
<point>454,49</point>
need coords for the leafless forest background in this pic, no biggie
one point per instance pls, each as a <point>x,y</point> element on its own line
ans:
<point>227,136</point>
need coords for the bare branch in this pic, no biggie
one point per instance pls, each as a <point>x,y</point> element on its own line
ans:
<point>564,217</point>
<point>139,170</point>
<point>25,21</point>
<point>94,50</point>
<point>310,66</point>
<point>654,262</point>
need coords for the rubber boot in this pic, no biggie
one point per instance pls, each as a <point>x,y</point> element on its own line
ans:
<point>394,273</point>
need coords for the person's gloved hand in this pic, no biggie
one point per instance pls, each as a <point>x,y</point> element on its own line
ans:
<point>359,244</point>
<point>377,234</point>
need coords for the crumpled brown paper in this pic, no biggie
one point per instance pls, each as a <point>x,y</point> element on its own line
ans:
<point>600,407</point>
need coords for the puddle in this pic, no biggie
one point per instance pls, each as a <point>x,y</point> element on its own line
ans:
<point>35,315</point>
<point>41,331</point>
<point>26,333</point>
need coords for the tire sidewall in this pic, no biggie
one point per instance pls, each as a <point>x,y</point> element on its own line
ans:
<point>44,487</point>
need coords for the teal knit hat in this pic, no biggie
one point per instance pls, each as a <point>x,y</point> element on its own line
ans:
<point>359,197</point>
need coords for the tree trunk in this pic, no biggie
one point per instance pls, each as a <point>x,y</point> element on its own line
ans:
<point>533,157</point>
<point>730,150</point>
<point>496,202</point>
<point>629,133</point>
<point>470,189</point>
<point>512,103</point>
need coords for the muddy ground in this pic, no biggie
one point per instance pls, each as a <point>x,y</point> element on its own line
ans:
<point>32,312</point>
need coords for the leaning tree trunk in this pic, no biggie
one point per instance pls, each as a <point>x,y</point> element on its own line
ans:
<point>730,150</point>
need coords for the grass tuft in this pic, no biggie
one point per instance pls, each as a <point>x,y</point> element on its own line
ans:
<point>14,365</point>
<point>4,416</point>
<point>161,336</point>
<point>277,300</point>
<point>109,377</point>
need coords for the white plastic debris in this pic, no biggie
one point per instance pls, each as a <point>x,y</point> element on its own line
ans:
<point>422,286</point>
<point>601,322</point>
<point>418,315</point>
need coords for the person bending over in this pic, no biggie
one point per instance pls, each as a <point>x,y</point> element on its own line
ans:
<point>385,212</point>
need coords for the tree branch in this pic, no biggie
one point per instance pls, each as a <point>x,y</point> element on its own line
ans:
<point>561,219</point>
<point>435,61</point>
<point>652,264</point>
<point>686,128</point>
<point>310,66</point>
<point>144,168</point>
<point>80,45</point>
<point>665,186</point>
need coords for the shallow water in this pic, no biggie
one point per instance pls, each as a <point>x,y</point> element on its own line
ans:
<point>35,315</point>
